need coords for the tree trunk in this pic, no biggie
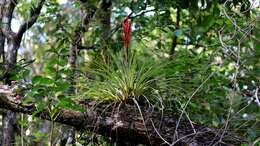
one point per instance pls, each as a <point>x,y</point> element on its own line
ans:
<point>2,43</point>
<point>13,43</point>
<point>8,128</point>
<point>2,38</point>
<point>6,9</point>
<point>174,38</point>
<point>105,16</point>
<point>10,117</point>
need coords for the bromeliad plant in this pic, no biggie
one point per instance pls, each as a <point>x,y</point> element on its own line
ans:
<point>120,81</point>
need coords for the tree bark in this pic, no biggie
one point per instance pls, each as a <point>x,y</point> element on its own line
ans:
<point>9,60</point>
<point>2,37</point>
<point>126,124</point>
<point>174,38</point>
<point>7,8</point>
<point>105,16</point>
<point>8,128</point>
<point>10,117</point>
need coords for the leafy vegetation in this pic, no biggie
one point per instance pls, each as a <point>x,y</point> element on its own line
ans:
<point>196,59</point>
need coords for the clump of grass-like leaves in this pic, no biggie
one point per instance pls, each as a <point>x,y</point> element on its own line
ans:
<point>119,81</point>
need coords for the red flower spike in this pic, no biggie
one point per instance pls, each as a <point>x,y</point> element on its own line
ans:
<point>126,32</point>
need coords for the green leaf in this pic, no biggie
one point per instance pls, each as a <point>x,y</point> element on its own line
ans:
<point>41,80</point>
<point>62,85</point>
<point>26,73</point>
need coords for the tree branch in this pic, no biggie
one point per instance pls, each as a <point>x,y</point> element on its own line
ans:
<point>35,12</point>
<point>126,124</point>
<point>88,47</point>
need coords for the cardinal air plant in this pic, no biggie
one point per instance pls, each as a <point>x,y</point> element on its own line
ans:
<point>122,82</point>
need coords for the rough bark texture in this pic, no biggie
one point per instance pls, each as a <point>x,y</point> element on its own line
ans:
<point>8,127</point>
<point>14,39</point>
<point>2,37</point>
<point>125,123</point>
<point>10,57</point>
<point>7,8</point>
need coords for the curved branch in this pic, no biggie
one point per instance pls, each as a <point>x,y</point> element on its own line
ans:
<point>126,125</point>
<point>35,12</point>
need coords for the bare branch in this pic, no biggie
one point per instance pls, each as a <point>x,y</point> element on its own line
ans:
<point>35,12</point>
<point>89,47</point>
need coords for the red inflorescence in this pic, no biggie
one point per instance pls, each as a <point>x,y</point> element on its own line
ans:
<point>126,32</point>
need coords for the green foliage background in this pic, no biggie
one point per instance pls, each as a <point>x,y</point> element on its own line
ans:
<point>217,54</point>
